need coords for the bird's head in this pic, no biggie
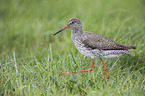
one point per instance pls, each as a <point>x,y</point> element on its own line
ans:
<point>73,23</point>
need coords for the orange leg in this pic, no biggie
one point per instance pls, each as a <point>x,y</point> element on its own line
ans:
<point>105,68</point>
<point>81,70</point>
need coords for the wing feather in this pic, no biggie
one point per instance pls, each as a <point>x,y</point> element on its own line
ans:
<point>97,41</point>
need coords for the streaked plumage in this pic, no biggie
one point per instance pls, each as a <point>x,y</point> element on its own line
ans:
<point>94,45</point>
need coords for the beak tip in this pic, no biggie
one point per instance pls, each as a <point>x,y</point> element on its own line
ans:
<point>61,30</point>
<point>54,34</point>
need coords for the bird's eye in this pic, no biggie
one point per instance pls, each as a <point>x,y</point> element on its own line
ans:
<point>72,22</point>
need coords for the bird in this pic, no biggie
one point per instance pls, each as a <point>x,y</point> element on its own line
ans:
<point>94,45</point>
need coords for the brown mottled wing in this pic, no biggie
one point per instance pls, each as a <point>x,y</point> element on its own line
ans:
<point>96,41</point>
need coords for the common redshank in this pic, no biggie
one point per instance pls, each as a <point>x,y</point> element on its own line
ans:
<point>94,45</point>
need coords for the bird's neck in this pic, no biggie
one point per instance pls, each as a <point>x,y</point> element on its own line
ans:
<point>76,32</point>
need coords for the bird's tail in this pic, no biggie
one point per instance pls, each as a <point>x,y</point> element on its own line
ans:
<point>131,53</point>
<point>131,47</point>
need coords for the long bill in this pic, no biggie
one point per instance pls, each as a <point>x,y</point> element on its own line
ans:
<point>62,29</point>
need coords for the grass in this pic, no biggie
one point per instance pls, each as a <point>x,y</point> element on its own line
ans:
<point>31,58</point>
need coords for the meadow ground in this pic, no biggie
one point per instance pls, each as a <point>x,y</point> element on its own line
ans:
<point>31,58</point>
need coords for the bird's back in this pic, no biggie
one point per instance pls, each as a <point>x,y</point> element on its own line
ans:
<point>98,46</point>
<point>97,41</point>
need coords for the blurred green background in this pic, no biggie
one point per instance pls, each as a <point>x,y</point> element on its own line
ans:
<point>31,57</point>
